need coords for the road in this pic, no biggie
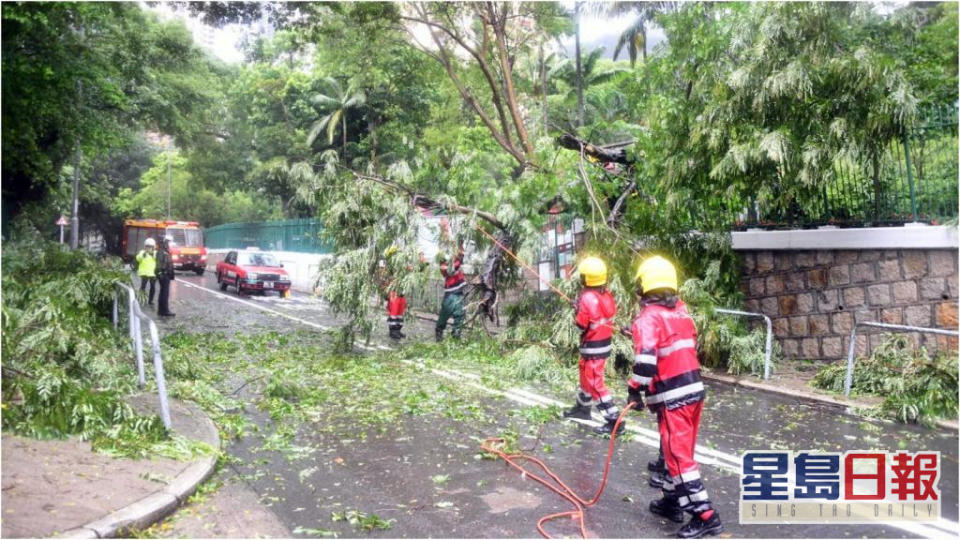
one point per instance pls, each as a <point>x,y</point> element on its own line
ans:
<point>394,473</point>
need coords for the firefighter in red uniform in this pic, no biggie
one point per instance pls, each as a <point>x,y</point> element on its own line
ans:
<point>595,309</point>
<point>666,370</point>
<point>396,302</point>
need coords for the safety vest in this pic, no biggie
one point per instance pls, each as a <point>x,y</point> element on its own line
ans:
<point>594,317</point>
<point>665,356</point>
<point>453,282</point>
<point>146,264</point>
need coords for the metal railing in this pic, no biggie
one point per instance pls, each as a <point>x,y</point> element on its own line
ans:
<point>135,318</point>
<point>769,344</point>
<point>848,382</point>
<point>913,179</point>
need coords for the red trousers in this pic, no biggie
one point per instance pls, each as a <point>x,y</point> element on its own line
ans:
<point>593,389</point>
<point>678,439</point>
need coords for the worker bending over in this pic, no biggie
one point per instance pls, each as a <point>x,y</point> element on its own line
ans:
<point>666,370</point>
<point>454,287</point>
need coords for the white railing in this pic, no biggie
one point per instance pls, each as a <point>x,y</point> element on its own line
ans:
<point>135,318</point>
<point>848,382</point>
<point>769,346</point>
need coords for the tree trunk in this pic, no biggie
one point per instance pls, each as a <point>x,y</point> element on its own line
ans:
<point>490,275</point>
<point>343,124</point>
<point>576,16</point>
<point>543,89</point>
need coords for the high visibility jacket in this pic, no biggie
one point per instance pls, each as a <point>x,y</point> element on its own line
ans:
<point>665,362</point>
<point>454,281</point>
<point>146,263</point>
<point>594,316</point>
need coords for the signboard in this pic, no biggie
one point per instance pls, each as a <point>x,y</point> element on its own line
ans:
<point>63,222</point>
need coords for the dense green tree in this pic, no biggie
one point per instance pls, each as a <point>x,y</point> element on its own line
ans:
<point>91,76</point>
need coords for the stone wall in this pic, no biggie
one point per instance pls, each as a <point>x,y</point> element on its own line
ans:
<point>813,297</point>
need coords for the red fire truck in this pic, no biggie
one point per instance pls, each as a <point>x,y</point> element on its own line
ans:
<point>186,249</point>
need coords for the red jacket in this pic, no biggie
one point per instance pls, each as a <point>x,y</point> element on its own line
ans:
<point>665,361</point>
<point>396,305</point>
<point>595,311</point>
<point>453,281</point>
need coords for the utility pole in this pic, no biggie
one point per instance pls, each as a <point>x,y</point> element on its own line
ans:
<point>169,181</point>
<point>75,215</point>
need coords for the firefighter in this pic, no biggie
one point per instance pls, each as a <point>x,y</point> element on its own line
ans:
<point>454,287</point>
<point>147,268</point>
<point>396,301</point>
<point>594,312</point>
<point>667,372</point>
<point>165,276</point>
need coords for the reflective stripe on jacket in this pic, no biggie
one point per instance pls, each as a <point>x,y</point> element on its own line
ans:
<point>594,316</point>
<point>453,281</point>
<point>665,356</point>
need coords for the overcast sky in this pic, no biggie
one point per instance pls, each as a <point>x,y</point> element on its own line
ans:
<point>595,31</point>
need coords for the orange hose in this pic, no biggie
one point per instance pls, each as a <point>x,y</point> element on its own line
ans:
<point>525,265</point>
<point>558,486</point>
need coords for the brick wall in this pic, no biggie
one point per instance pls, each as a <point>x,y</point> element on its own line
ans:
<point>814,297</point>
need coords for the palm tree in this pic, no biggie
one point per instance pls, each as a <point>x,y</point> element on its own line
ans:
<point>635,37</point>
<point>337,103</point>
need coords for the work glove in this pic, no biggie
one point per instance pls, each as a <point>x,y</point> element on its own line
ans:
<point>634,395</point>
<point>625,330</point>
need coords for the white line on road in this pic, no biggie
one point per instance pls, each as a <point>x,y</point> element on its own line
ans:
<point>941,529</point>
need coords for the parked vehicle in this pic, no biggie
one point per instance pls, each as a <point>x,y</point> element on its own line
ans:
<point>252,270</point>
<point>186,249</point>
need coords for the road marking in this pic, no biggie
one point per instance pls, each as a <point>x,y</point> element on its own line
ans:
<point>707,456</point>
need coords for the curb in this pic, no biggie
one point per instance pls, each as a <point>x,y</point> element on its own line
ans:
<point>159,505</point>
<point>810,396</point>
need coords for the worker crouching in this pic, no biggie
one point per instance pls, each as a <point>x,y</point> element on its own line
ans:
<point>595,309</point>
<point>667,371</point>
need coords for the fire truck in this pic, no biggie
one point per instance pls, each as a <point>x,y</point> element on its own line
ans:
<point>186,249</point>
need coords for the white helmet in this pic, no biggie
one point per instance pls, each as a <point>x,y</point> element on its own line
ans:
<point>168,239</point>
<point>150,243</point>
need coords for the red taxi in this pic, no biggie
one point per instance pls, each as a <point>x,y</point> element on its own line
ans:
<point>250,270</point>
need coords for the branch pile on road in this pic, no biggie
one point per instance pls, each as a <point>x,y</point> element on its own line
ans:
<point>915,386</point>
<point>65,370</point>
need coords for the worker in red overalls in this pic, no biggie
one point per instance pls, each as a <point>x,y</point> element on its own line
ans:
<point>666,370</point>
<point>396,302</point>
<point>595,309</point>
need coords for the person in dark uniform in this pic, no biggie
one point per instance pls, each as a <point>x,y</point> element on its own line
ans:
<point>165,276</point>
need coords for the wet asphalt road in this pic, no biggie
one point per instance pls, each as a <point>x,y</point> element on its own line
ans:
<point>390,473</point>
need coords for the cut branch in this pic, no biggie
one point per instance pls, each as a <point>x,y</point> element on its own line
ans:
<point>599,153</point>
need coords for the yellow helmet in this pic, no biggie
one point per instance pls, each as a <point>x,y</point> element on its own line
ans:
<point>593,271</point>
<point>656,273</point>
<point>390,251</point>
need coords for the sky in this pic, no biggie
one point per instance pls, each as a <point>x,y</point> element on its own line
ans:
<point>596,31</point>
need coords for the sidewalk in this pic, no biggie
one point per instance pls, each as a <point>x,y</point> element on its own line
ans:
<point>62,487</point>
<point>793,378</point>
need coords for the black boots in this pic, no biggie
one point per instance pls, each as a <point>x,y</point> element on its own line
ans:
<point>581,412</point>
<point>439,335</point>
<point>607,429</point>
<point>696,527</point>
<point>668,508</point>
<point>658,472</point>
<point>395,334</point>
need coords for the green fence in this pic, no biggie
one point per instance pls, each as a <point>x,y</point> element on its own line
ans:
<point>302,235</point>
<point>914,180</point>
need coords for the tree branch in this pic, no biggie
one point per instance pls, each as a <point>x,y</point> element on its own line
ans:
<point>419,199</point>
<point>499,32</point>
<point>604,155</point>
